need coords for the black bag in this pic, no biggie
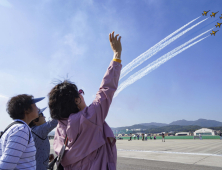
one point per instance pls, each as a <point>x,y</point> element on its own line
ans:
<point>58,159</point>
<point>52,164</point>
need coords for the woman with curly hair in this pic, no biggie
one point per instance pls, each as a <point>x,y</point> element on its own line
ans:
<point>91,143</point>
<point>17,146</point>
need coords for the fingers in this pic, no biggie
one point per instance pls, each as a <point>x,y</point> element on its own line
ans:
<point>110,39</point>
<point>112,35</point>
<point>119,38</point>
<point>116,37</point>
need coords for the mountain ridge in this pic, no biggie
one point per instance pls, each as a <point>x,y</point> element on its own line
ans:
<point>179,125</point>
<point>200,122</point>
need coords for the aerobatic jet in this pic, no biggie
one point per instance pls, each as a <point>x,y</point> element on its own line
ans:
<point>221,16</point>
<point>213,14</point>
<point>218,24</point>
<point>213,32</point>
<point>205,13</point>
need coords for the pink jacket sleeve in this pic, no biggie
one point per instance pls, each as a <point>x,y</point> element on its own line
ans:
<point>98,110</point>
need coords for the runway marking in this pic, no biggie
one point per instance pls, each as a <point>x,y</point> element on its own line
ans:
<point>182,153</point>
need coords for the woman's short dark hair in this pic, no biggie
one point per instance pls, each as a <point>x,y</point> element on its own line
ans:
<point>18,105</point>
<point>62,100</point>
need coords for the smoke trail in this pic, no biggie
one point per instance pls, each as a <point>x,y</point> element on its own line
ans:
<point>170,53</point>
<point>162,41</point>
<point>152,51</point>
<point>203,27</point>
<point>156,64</point>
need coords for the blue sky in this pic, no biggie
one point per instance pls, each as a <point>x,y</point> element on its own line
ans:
<point>41,41</point>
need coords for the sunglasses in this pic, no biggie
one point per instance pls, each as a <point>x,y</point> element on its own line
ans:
<point>41,114</point>
<point>81,91</point>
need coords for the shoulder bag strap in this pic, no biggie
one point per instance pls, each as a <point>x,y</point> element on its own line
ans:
<point>14,123</point>
<point>10,125</point>
<point>39,136</point>
<point>61,153</point>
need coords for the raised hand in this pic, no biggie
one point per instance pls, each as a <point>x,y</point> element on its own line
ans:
<point>115,45</point>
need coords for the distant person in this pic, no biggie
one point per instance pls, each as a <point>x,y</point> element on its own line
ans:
<point>40,130</point>
<point>134,136</point>
<point>130,137</point>
<point>142,136</point>
<point>154,137</point>
<point>145,136</point>
<point>220,135</point>
<point>17,146</point>
<point>163,137</point>
<point>90,141</point>
<point>138,137</point>
<point>200,137</point>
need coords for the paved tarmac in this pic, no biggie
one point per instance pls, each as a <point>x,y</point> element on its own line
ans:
<point>142,164</point>
<point>172,154</point>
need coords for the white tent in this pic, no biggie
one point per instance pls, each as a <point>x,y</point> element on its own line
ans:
<point>204,131</point>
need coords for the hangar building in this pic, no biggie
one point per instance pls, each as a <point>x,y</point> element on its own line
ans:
<point>204,131</point>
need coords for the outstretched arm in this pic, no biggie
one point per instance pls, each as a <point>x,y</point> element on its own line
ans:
<point>44,129</point>
<point>98,110</point>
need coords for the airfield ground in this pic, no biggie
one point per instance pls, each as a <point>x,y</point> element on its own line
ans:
<point>172,154</point>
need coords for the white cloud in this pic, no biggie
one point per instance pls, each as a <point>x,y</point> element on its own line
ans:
<point>73,45</point>
<point>4,97</point>
<point>5,3</point>
<point>70,48</point>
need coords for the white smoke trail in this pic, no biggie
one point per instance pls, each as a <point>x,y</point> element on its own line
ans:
<point>170,53</point>
<point>162,41</point>
<point>152,51</point>
<point>156,64</point>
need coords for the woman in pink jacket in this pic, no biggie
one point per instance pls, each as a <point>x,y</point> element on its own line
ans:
<point>91,143</point>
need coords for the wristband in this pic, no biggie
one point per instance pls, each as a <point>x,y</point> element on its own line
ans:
<point>117,60</point>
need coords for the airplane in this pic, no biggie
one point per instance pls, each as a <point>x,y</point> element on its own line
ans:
<point>221,16</point>
<point>213,32</point>
<point>218,24</point>
<point>213,14</point>
<point>205,13</point>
